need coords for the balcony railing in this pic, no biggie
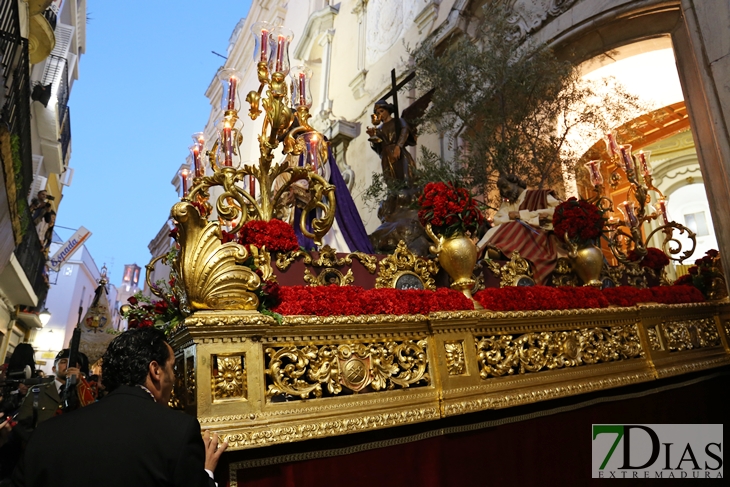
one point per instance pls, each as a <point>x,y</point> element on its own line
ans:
<point>16,110</point>
<point>31,257</point>
<point>65,139</point>
<point>51,17</point>
<point>56,74</point>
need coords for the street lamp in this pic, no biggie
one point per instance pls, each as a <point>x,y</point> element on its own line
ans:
<point>44,316</point>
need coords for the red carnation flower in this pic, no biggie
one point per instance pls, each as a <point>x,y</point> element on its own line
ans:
<point>132,300</point>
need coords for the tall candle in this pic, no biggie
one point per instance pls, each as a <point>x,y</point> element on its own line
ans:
<point>611,144</point>
<point>594,170</point>
<point>252,186</point>
<point>314,151</point>
<point>227,145</point>
<point>280,51</point>
<point>643,158</point>
<point>302,89</point>
<point>196,161</point>
<point>264,46</point>
<point>628,207</point>
<point>232,83</point>
<point>662,203</point>
<point>184,180</point>
<point>628,161</point>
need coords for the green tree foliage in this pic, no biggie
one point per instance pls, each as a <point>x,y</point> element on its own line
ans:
<point>512,105</point>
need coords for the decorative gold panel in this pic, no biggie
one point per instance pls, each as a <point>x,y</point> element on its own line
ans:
<point>302,372</point>
<point>190,379</point>
<point>654,342</point>
<point>455,361</point>
<point>404,262</point>
<point>689,334</point>
<point>513,273</point>
<point>228,377</point>
<point>314,377</point>
<point>506,355</point>
<point>329,277</point>
<point>327,258</point>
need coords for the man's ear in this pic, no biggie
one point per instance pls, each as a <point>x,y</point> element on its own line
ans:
<point>155,370</point>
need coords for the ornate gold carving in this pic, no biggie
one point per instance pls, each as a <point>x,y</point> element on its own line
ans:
<point>455,361</point>
<point>506,355</point>
<point>513,272</point>
<point>727,329</point>
<point>303,371</point>
<point>637,277</point>
<point>689,334</point>
<point>563,274</point>
<point>544,393</point>
<point>327,258</point>
<point>190,380</point>
<point>654,341</point>
<point>209,270</point>
<point>214,318</point>
<point>320,429</point>
<point>228,377</point>
<point>177,398</point>
<point>403,261</point>
<point>329,277</point>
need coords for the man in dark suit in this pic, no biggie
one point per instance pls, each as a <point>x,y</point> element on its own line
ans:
<point>130,437</point>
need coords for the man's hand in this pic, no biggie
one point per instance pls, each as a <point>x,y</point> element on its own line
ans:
<point>75,371</point>
<point>514,215</point>
<point>213,450</point>
<point>5,429</point>
<point>370,131</point>
<point>396,152</point>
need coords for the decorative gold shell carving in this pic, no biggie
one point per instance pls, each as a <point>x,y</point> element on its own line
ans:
<point>507,355</point>
<point>303,371</point>
<point>404,261</point>
<point>511,272</point>
<point>209,270</point>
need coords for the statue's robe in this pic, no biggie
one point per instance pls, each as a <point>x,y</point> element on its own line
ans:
<point>534,242</point>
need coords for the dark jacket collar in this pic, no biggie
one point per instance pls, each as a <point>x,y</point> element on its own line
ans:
<point>132,391</point>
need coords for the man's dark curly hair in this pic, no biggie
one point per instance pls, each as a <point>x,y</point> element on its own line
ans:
<point>127,359</point>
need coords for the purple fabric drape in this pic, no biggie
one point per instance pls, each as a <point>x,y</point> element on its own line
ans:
<point>346,215</point>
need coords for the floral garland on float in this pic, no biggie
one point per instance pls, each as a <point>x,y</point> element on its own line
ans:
<point>451,217</point>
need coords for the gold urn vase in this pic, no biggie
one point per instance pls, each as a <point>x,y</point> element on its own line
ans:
<point>587,262</point>
<point>458,256</point>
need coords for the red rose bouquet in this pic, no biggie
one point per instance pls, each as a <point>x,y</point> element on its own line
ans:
<point>580,220</point>
<point>449,209</point>
<point>161,313</point>
<point>275,235</point>
<point>705,275</point>
<point>655,259</point>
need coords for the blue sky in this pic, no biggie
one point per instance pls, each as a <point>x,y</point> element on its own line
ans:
<point>139,97</point>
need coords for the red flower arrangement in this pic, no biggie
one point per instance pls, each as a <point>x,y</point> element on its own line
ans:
<point>703,273</point>
<point>143,311</point>
<point>449,209</point>
<point>654,259</point>
<point>354,300</point>
<point>582,221</point>
<point>275,235</point>
<point>540,298</point>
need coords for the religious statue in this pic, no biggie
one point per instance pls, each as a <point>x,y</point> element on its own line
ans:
<point>524,223</point>
<point>389,140</point>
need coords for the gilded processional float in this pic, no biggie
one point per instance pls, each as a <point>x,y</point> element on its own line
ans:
<point>263,363</point>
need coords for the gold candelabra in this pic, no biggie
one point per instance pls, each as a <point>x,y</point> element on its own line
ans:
<point>208,273</point>
<point>625,234</point>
